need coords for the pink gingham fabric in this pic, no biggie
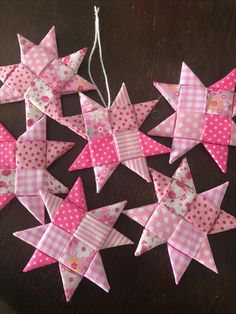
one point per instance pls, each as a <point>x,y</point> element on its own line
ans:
<point>74,238</point>
<point>203,115</point>
<point>41,77</point>
<point>182,219</point>
<point>114,138</point>
<point>53,241</point>
<point>23,165</point>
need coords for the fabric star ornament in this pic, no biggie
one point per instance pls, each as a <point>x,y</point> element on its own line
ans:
<point>113,137</point>
<point>41,78</point>
<point>74,238</point>
<point>23,167</point>
<point>203,115</point>
<point>182,219</point>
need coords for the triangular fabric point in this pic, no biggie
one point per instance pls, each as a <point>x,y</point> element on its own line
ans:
<point>216,194</point>
<point>25,46</point>
<point>96,273</point>
<point>51,202</point>
<point>141,214</point>
<point>151,147</point>
<point>188,77</point>
<point>165,128</point>
<point>115,238</point>
<point>161,183</point>
<point>77,196</point>
<point>224,222</point>
<point>139,166</point>
<point>205,256</point>
<point>122,97</point>
<point>83,161</point>
<point>52,185</point>
<point>111,212</point>
<point>142,110</point>
<point>170,93</point>
<point>88,104</point>
<point>219,153</point>
<point>74,59</point>
<point>102,174</point>
<point>5,136</point>
<point>148,241</point>
<point>227,82</point>
<point>56,149</point>
<point>39,259</point>
<point>31,236</point>
<point>5,71</point>
<point>74,123</point>
<point>5,199</point>
<point>70,281</point>
<point>36,132</point>
<point>35,206</point>
<point>49,42</point>
<point>179,262</point>
<point>180,147</point>
<point>183,173</point>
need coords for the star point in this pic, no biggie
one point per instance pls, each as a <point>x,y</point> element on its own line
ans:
<point>202,115</point>
<point>182,219</point>
<point>23,167</point>
<point>114,137</point>
<point>74,238</point>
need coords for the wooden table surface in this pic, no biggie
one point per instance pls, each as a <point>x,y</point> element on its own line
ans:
<point>142,41</point>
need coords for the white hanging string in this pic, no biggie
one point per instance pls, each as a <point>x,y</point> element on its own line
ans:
<point>97,40</point>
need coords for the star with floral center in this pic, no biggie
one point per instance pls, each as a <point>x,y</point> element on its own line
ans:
<point>42,77</point>
<point>203,115</point>
<point>74,238</point>
<point>113,137</point>
<point>23,164</point>
<point>182,219</point>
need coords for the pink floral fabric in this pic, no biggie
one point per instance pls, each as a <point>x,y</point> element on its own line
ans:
<point>203,115</point>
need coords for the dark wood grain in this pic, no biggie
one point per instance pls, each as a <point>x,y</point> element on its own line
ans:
<point>142,41</point>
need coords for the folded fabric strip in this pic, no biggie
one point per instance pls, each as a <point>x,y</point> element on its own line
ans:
<point>203,115</point>
<point>182,219</point>
<point>74,238</point>
<point>114,137</point>
<point>41,78</point>
<point>23,167</point>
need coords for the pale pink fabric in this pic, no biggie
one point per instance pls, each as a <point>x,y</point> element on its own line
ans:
<point>74,238</point>
<point>40,63</point>
<point>182,218</point>
<point>203,115</point>
<point>114,138</point>
<point>23,166</point>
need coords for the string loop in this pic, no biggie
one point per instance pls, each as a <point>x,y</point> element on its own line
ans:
<point>97,41</point>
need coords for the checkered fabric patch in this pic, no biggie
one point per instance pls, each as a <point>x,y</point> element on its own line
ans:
<point>54,241</point>
<point>187,238</point>
<point>29,181</point>
<point>192,98</point>
<point>128,145</point>
<point>92,232</point>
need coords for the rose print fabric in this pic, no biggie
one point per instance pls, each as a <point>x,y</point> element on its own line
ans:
<point>23,165</point>
<point>182,219</point>
<point>203,115</point>
<point>41,78</point>
<point>113,138</point>
<point>74,238</point>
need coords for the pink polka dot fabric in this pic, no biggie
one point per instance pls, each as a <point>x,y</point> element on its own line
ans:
<point>56,75</point>
<point>203,115</point>
<point>114,138</point>
<point>23,165</point>
<point>74,238</point>
<point>182,219</point>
